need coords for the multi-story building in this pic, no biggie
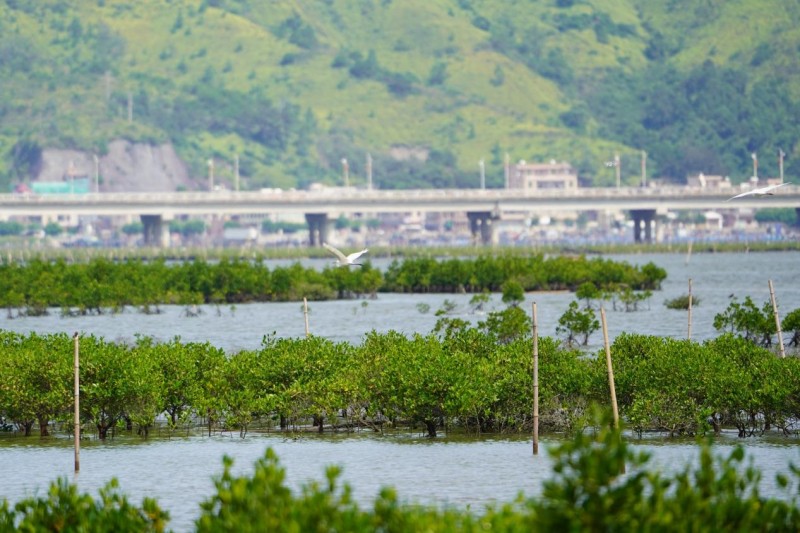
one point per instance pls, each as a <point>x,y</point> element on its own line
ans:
<point>541,176</point>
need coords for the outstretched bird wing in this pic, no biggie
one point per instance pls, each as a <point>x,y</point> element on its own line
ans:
<point>758,192</point>
<point>746,193</point>
<point>337,253</point>
<point>352,257</point>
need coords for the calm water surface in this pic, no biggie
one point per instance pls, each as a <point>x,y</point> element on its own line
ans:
<point>459,472</point>
<point>454,471</point>
<point>714,278</point>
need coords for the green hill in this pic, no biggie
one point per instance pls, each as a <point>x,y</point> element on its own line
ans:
<point>427,87</point>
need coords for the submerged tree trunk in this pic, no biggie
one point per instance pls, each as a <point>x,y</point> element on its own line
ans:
<point>318,420</point>
<point>44,426</point>
<point>430,425</point>
<point>26,426</point>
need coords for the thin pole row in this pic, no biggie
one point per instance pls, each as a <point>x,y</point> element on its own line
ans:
<point>689,335</point>
<point>777,318</point>
<point>535,383</point>
<point>77,405</point>
<point>305,314</point>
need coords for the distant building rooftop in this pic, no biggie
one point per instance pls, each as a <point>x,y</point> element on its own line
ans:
<point>704,181</point>
<point>538,176</point>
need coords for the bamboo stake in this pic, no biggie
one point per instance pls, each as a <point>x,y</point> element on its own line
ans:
<point>305,313</point>
<point>689,253</point>
<point>77,405</point>
<point>535,383</point>
<point>689,336</point>
<point>777,318</point>
<point>614,409</point>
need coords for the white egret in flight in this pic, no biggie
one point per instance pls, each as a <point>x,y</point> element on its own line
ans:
<point>345,260</point>
<point>761,191</point>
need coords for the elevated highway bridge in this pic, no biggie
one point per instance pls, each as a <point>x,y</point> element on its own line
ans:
<point>481,206</point>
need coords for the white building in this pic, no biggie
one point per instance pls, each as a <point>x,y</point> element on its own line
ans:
<point>541,176</point>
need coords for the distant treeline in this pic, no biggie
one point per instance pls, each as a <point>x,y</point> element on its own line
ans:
<point>100,285</point>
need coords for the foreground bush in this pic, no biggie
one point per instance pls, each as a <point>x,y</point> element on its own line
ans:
<point>64,509</point>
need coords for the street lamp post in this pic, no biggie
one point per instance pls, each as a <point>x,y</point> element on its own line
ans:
<point>96,173</point>
<point>755,166</point>
<point>615,163</point>
<point>346,172</point>
<point>644,168</point>
<point>236,171</point>
<point>780,163</point>
<point>210,174</point>
<point>507,171</point>
<point>483,175</point>
<point>369,172</point>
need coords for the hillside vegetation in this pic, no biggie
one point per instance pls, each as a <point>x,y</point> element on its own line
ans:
<point>426,87</point>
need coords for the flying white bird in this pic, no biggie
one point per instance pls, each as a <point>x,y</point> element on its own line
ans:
<point>345,260</point>
<point>762,191</point>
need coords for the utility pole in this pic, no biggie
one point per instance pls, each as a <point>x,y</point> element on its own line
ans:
<point>130,107</point>
<point>108,85</point>
<point>507,171</point>
<point>210,174</point>
<point>644,168</point>
<point>616,165</point>
<point>346,172</point>
<point>483,175</point>
<point>755,166</point>
<point>236,171</point>
<point>780,162</point>
<point>369,172</point>
<point>96,173</point>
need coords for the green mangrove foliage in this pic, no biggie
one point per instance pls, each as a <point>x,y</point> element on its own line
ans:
<point>532,273</point>
<point>682,302</point>
<point>474,379</point>
<point>587,491</point>
<point>683,387</point>
<point>100,285</point>
<point>748,321</point>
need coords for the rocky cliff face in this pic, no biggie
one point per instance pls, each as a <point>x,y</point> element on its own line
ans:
<point>127,167</point>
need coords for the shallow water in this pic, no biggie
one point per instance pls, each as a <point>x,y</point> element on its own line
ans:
<point>714,278</point>
<point>457,471</point>
<point>447,470</point>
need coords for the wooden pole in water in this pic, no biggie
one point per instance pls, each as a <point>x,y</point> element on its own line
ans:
<point>614,409</point>
<point>777,318</point>
<point>689,252</point>
<point>612,388</point>
<point>77,405</point>
<point>535,383</point>
<point>305,314</point>
<point>689,335</point>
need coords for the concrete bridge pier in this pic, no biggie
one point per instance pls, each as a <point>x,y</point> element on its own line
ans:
<point>317,228</point>
<point>643,218</point>
<point>156,232</point>
<point>480,225</point>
